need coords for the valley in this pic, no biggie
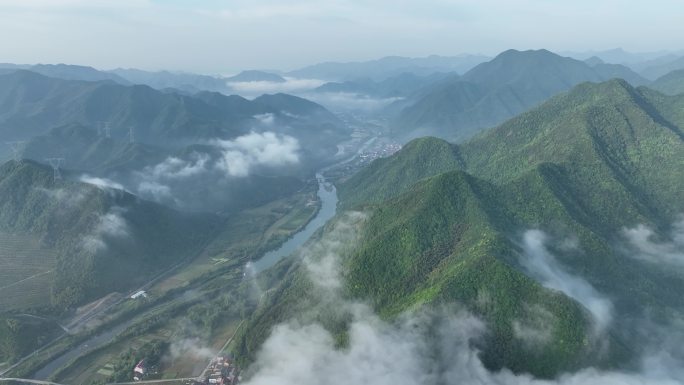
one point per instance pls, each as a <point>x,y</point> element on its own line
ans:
<point>507,216</point>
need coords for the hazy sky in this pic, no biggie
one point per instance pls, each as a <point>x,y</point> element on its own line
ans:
<point>217,36</point>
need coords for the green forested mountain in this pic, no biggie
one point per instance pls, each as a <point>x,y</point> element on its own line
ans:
<point>494,91</point>
<point>446,222</point>
<point>104,239</point>
<point>671,84</point>
<point>32,104</point>
<point>85,149</point>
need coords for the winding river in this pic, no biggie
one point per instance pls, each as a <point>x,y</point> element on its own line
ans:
<point>328,196</point>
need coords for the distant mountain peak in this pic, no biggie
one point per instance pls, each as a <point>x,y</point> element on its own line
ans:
<point>256,76</point>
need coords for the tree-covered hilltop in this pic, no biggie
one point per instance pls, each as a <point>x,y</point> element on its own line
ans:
<point>105,239</point>
<point>446,224</point>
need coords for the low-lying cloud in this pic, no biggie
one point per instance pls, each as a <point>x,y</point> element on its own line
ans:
<point>420,347</point>
<point>66,198</point>
<point>348,101</point>
<point>242,154</point>
<point>290,85</point>
<point>110,225</point>
<point>177,179</point>
<point>542,265</point>
<point>102,183</point>
<point>177,168</point>
<point>644,245</point>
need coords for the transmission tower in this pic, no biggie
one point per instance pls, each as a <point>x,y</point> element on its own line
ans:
<point>55,163</point>
<point>16,149</point>
<point>107,130</point>
<point>104,129</point>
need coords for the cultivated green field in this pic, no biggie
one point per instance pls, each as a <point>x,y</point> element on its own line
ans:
<point>26,272</point>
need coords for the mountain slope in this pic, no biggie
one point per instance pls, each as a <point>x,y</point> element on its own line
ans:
<point>494,91</point>
<point>581,168</point>
<point>671,84</point>
<point>661,69</point>
<point>104,239</point>
<point>389,177</point>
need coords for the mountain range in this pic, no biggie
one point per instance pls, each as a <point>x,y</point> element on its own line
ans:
<point>381,69</point>
<point>513,82</point>
<point>528,223</point>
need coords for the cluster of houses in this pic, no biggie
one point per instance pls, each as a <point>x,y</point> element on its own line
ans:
<point>221,371</point>
<point>382,151</point>
<point>140,371</point>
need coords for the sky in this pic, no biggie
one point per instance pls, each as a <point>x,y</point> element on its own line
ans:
<point>225,36</point>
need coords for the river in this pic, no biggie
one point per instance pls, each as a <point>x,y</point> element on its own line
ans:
<point>90,344</point>
<point>328,196</point>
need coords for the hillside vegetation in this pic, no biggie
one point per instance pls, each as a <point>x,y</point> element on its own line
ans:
<point>446,224</point>
<point>104,239</point>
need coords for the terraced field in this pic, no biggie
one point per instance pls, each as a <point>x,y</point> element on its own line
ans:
<point>26,272</point>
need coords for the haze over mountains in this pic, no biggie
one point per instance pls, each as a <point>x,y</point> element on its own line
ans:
<point>529,227</point>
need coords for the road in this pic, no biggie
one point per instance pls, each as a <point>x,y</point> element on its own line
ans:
<point>204,372</point>
<point>84,320</point>
<point>26,279</point>
<point>29,381</point>
<point>154,381</point>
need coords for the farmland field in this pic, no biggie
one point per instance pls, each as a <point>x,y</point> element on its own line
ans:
<point>26,272</point>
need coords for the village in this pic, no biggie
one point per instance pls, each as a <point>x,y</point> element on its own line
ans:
<point>220,371</point>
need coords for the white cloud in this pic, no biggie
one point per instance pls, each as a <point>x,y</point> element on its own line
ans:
<point>242,154</point>
<point>110,225</point>
<point>155,190</point>
<point>421,347</point>
<point>645,247</point>
<point>176,168</point>
<point>291,85</point>
<point>266,119</point>
<point>542,265</point>
<point>102,183</point>
<point>67,197</point>
<point>351,101</point>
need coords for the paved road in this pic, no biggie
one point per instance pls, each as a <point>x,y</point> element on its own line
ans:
<point>29,381</point>
<point>154,381</point>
